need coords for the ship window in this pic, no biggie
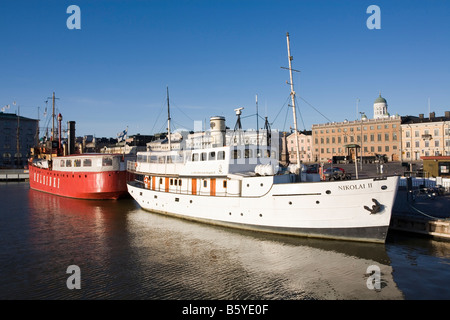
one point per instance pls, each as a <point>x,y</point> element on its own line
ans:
<point>171,182</point>
<point>161,159</point>
<point>61,163</point>
<point>160,180</point>
<point>203,157</point>
<point>68,163</point>
<point>77,163</point>
<point>169,159</point>
<point>195,157</point>
<point>205,183</point>
<point>107,161</point>
<point>248,153</point>
<point>221,155</point>
<point>225,183</point>
<point>179,182</point>
<point>212,155</point>
<point>236,154</point>
<point>153,159</point>
<point>87,163</point>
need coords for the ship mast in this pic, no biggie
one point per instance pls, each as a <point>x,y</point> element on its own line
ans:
<point>293,101</point>
<point>168,119</point>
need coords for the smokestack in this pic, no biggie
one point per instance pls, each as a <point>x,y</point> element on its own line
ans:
<point>71,137</point>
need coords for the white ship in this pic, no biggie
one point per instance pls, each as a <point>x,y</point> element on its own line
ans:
<point>231,182</point>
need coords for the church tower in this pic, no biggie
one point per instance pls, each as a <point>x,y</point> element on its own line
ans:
<point>380,108</point>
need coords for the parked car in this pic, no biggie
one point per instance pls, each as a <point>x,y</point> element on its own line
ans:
<point>335,173</point>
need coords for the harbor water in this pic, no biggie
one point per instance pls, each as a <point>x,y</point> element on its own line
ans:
<point>124,252</point>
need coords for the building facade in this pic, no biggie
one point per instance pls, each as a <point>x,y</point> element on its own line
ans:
<point>17,136</point>
<point>305,146</point>
<point>369,137</point>
<point>425,137</point>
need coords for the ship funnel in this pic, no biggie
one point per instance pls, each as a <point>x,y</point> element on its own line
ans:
<point>71,137</point>
<point>218,130</point>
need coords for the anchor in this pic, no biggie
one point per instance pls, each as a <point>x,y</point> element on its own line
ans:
<point>375,208</point>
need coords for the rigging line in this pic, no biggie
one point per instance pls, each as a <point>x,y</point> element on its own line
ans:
<point>172,104</point>
<point>285,118</point>
<point>315,109</point>
<point>280,110</point>
<point>300,114</point>
<point>156,121</point>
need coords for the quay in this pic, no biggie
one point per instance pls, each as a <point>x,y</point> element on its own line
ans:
<point>14,175</point>
<point>424,214</point>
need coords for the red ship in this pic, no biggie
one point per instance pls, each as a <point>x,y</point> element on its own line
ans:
<point>55,169</point>
<point>84,176</point>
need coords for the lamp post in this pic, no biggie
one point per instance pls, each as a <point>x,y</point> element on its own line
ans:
<point>361,135</point>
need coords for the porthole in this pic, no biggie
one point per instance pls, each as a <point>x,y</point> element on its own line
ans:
<point>260,215</point>
<point>383,187</point>
<point>317,201</point>
<point>328,192</point>
<point>290,202</point>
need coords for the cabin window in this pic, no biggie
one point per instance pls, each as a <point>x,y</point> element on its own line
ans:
<point>221,155</point>
<point>169,159</point>
<point>224,183</point>
<point>212,155</point>
<point>205,183</point>
<point>87,163</point>
<point>68,163</point>
<point>248,153</point>
<point>161,159</point>
<point>203,156</point>
<point>153,159</point>
<point>106,161</point>
<point>236,154</point>
<point>171,182</point>
<point>195,157</point>
<point>179,182</point>
<point>160,181</point>
<point>77,163</point>
<point>61,163</point>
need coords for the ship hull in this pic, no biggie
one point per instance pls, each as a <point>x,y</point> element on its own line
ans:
<point>334,210</point>
<point>81,185</point>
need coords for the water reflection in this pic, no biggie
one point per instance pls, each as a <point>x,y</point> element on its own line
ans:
<point>127,253</point>
<point>211,262</point>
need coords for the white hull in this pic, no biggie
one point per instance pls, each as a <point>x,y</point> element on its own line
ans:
<point>332,209</point>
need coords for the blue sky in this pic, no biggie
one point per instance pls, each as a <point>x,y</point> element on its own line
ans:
<point>216,55</point>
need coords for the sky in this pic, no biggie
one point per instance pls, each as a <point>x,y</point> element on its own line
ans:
<point>215,56</point>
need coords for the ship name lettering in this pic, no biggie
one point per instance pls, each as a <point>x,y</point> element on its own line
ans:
<point>355,187</point>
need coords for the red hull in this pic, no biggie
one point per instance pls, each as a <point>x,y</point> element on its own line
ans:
<point>81,185</point>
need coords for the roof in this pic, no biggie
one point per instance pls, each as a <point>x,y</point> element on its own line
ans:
<point>421,119</point>
<point>13,116</point>
<point>380,99</point>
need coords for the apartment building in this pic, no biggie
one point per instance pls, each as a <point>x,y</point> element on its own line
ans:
<point>425,136</point>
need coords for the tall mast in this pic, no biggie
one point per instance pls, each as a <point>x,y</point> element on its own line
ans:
<point>293,100</point>
<point>168,119</point>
